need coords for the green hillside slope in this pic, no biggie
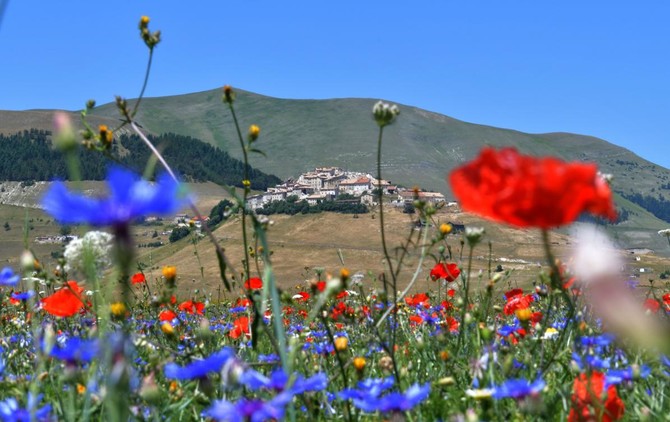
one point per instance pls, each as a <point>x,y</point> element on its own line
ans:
<point>421,148</point>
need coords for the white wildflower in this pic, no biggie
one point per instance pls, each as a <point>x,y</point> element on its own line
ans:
<point>95,246</point>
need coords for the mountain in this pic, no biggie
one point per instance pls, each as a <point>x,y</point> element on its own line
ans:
<point>419,149</point>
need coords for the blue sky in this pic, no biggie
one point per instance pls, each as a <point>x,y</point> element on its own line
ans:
<point>593,67</point>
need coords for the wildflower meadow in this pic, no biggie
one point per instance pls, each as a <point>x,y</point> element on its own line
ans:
<point>99,338</point>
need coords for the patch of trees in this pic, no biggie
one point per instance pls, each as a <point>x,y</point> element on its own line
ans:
<point>28,156</point>
<point>622,215</point>
<point>179,233</point>
<point>293,207</point>
<point>219,212</point>
<point>658,206</point>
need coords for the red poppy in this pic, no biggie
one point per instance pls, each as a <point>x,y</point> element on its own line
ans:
<point>666,301</point>
<point>415,320</point>
<point>320,285</point>
<point>342,294</point>
<point>240,326</point>
<point>66,302</point>
<point>451,323</point>
<point>304,296</point>
<point>526,191</point>
<point>516,300</point>
<point>167,315</point>
<point>254,283</point>
<point>138,278</point>
<point>447,306</point>
<point>192,307</point>
<point>652,305</point>
<point>340,309</point>
<point>449,272</point>
<point>536,318</point>
<point>243,302</point>
<point>587,400</point>
<point>419,299</point>
<point>451,292</point>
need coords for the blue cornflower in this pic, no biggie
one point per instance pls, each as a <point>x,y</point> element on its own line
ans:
<point>602,340</point>
<point>11,412</point>
<point>371,387</point>
<point>23,295</point>
<point>129,197</point>
<point>666,362</point>
<point>617,376</point>
<point>249,410</point>
<point>590,361</point>
<point>278,380</point>
<point>271,358</point>
<point>200,368</point>
<point>75,350</point>
<point>8,278</point>
<point>394,402</point>
<point>518,388</point>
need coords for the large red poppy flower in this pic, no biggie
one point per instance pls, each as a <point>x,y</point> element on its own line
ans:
<point>449,272</point>
<point>526,191</point>
<point>66,302</point>
<point>588,401</point>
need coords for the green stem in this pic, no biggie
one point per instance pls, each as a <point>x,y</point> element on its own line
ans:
<point>144,84</point>
<point>340,363</point>
<point>381,208</point>
<point>466,298</point>
<point>245,193</point>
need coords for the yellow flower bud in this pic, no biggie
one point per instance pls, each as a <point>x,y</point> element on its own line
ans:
<point>118,309</point>
<point>254,131</point>
<point>167,328</point>
<point>344,274</point>
<point>246,183</point>
<point>228,94</point>
<point>359,363</point>
<point>169,272</point>
<point>445,228</point>
<point>523,315</point>
<point>144,20</point>
<point>106,135</point>
<point>341,344</point>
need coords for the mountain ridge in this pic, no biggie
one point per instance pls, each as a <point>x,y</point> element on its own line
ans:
<point>420,148</point>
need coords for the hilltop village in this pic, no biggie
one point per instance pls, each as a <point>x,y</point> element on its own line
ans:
<point>329,183</point>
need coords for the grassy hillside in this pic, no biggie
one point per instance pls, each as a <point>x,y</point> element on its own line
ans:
<point>421,148</point>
